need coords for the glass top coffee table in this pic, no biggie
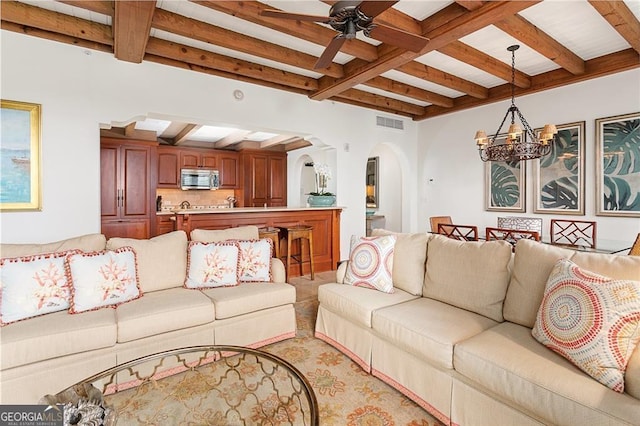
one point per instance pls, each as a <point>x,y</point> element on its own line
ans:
<point>212,385</point>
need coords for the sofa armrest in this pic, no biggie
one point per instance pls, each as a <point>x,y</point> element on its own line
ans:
<point>341,271</point>
<point>278,274</point>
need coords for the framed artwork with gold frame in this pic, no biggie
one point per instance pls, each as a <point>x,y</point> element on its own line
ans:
<point>20,156</point>
<point>618,165</point>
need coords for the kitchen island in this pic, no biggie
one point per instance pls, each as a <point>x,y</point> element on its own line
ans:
<point>325,222</point>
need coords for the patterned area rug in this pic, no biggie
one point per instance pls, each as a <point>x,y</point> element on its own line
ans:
<point>346,394</point>
<point>204,396</point>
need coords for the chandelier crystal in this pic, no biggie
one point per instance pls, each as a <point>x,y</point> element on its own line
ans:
<point>520,142</point>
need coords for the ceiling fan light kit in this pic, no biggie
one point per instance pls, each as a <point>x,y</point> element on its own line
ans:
<point>519,143</point>
<point>350,17</point>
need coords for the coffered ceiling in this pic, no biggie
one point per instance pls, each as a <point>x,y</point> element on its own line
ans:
<point>464,64</point>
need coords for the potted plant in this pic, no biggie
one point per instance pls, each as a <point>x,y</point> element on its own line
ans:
<point>321,197</point>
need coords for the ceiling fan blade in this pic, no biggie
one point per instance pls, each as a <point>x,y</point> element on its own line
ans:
<point>375,8</point>
<point>330,52</point>
<point>399,38</point>
<point>273,13</point>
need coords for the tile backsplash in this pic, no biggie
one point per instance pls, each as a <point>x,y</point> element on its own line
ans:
<point>173,197</point>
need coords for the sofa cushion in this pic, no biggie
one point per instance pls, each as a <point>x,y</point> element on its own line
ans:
<point>33,285</point>
<point>533,262</point>
<point>163,311</point>
<point>428,329</point>
<point>468,274</point>
<point>249,297</point>
<point>162,260</point>
<point>255,260</point>
<point>510,363</point>
<point>358,304</point>
<point>55,335</point>
<point>409,258</point>
<point>101,279</point>
<point>371,263</point>
<point>89,242</point>
<point>212,264</point>
<point>249,232</point>
<point>591,320</point>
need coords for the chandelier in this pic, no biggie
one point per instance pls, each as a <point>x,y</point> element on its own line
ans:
<point>520,143</point>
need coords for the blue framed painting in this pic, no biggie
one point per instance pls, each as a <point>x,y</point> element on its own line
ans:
<point>20,156</point>
<point>618,166</point>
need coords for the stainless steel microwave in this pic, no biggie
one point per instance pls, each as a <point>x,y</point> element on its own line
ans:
<point>199,179</point>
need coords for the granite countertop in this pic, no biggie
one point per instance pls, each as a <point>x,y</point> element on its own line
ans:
<point>244,210</point>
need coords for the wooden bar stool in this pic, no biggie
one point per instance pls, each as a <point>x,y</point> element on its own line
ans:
<point>274,234</point>
<point>298,232</point>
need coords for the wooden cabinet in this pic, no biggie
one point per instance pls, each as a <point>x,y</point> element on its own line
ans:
<point>171,159</point>
<point>265,181</point>
<point>194,159</point>
<point>168,167</point>
<point>126,198</point>
<point>229,170</point>
<point>165,223</point>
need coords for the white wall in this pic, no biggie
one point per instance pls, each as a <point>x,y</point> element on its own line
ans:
<point>448,153</point>
<point>79,92</point>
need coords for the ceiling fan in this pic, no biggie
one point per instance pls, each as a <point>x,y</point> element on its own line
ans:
<point>349,17</point>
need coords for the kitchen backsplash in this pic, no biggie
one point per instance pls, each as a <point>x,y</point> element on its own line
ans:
<point>173,197</point>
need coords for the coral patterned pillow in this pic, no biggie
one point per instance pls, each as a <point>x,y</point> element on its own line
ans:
<point>32,286</point>
<point>212,264</point>
<point>371,263</point>
<point>255,260</point>
<point>101,279</point>
<point>591,320</point>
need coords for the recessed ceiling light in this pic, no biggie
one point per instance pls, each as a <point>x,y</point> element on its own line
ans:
<point>238,94</point>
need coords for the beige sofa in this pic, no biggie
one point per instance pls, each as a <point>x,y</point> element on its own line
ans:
<point>455,336</point>
<point>45,354</point>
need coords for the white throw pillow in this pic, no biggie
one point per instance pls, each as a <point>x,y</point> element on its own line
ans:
<point>371,263</point>
<point>255,260</point>
<point>101,279</point>
<point>212,264</point>
<point>591,320</point>
<point>33,286</point>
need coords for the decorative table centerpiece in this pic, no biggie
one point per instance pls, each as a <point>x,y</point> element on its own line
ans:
<point>321,197</point>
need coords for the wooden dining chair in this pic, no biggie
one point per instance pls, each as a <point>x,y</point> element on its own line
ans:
<point>459,232</point>
<point>510,235</point>
<point>575,233</point>
<point>635,248</point>
<point>436,220</point>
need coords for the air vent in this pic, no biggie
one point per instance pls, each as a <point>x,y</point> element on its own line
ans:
<point>389,122</point>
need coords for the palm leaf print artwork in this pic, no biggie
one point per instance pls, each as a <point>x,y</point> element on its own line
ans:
<point>505,185</point>
<point>620,165</point>
<point>559,180</point>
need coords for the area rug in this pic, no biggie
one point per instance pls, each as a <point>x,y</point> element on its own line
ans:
<point>243,392</point>
<point>346,394</point>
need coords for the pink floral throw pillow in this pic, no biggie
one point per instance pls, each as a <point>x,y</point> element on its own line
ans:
<point>255,260</point>
<point>371,263</point>
<point>212,264</point>
<point>591,320</point>
<point>101,279</point>
<point>32,286</point>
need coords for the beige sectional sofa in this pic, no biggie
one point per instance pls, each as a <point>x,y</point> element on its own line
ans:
<point>45,354</point>
<point>455,336</point>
